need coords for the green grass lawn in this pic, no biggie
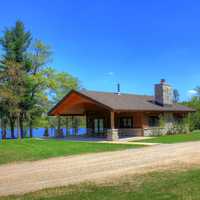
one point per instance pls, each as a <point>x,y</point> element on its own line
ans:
<point>33,149</point>
<point>166,185</point>
<point>169,139</point>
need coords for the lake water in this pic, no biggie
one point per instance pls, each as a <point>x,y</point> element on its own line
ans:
<point>39,132</point>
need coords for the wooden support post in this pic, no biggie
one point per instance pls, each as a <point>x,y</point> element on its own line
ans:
<point>73,130</point>
<point>59,131</point>
<point>59,122</point>
<point>87,124</point>
<point>112,120</point>
<point>112,134</point>
<point>76,126</point>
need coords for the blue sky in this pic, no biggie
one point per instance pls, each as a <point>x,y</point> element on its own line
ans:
<point>103,42</point>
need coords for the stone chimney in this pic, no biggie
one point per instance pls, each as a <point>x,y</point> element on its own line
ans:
<point>163,93</point>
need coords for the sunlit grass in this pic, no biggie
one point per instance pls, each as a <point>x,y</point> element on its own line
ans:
<point>169,139</point>
<point>34,149</point>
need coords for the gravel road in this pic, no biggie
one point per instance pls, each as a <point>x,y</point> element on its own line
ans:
<point>18,178</point>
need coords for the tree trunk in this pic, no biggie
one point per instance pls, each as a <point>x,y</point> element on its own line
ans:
<point>31,128</point>
<point>18,127</point>
<point>21,126</point>
<point>1,128</point>
<point>4,132</point>
<point>73,129</point>
<point>12,127</point>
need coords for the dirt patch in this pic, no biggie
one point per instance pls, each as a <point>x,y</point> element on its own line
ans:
<point>31,176</point>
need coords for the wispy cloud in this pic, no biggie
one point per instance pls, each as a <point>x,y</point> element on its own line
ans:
<point>110,73</point>
<point>192,92</point>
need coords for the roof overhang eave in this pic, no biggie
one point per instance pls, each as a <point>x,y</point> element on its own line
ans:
<point>151,110</point>
<point>50,113</point>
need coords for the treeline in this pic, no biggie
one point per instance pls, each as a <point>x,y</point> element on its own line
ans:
<point>194,118</point>
<point>29,87</point>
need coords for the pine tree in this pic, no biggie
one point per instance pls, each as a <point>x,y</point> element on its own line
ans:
<point>15,42</point>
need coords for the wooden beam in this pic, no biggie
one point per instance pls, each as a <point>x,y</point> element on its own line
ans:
<point>72,115</point>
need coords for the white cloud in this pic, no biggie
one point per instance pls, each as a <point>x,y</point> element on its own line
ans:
<point>192,92</point>
<point>110,73</point>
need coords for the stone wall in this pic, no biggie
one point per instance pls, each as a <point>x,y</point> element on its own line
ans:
<point>169,120</point>
<point>112,134</point>
<point>130,132</point>
<point>154,131</point>
<point>115,134</point>
<point>170,126</point>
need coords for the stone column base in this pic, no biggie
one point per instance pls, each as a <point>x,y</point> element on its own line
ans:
<point>112,134</point>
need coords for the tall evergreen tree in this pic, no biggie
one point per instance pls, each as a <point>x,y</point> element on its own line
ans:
<point>15,42</point>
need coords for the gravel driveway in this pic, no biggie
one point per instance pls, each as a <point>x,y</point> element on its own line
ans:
<point>31,176</point>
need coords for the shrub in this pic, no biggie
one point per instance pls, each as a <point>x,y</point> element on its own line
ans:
<point>162,121</point>
<point>194,121</point>
<point>178,128</point>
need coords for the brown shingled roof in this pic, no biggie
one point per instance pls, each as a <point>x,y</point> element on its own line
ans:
<point>131,102</point>
<point>125,102</point>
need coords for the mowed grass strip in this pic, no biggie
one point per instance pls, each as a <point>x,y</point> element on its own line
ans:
<point>33,149</point>
<point>165,185</point>
<point>169,139</point>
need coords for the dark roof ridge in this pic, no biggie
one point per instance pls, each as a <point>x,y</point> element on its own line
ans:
<point>121,93</point>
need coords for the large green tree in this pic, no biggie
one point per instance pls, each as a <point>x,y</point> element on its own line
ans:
<point>194,102</point>
<point>38,83</point>
<point>12,92</point>
<point>15,43</point>
<point>60,83</point>
<point>28,86</point>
